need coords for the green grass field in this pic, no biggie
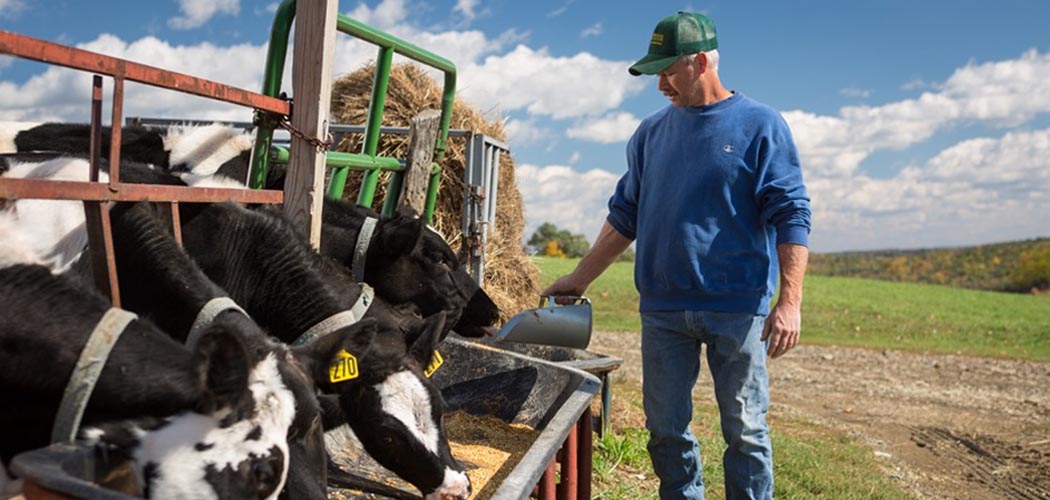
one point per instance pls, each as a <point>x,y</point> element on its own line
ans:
<point>868,313</point>
<point>815,462</point>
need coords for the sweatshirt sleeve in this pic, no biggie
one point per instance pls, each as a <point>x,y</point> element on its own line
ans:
<point>623,205</point>
<point>779,192</point>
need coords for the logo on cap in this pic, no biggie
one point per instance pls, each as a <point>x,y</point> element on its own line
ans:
<point>658,39</point>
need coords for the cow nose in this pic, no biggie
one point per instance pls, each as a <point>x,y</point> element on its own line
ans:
<point>456,486</point>
<point>267,473</point>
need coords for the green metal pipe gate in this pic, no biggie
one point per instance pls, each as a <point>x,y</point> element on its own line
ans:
<point>367,161</point>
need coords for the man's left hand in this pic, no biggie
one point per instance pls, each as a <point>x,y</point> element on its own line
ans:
<point>783,327</point>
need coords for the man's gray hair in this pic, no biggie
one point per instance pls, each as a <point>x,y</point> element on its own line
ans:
<point>712,59</point>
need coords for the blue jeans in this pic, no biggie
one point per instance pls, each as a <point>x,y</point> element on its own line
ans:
<point>736,356</point>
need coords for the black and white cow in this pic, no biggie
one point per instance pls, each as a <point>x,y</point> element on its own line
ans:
<point>206,423</point>
<point>160,282</point>
<point>268,268</point>
<point>404,261</point>
<point>394,410</point>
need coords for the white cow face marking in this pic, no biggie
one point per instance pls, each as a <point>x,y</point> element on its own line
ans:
<point>194,456</point>
<point>403,397</point>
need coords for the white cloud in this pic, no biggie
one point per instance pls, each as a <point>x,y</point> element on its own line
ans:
<point>9,9</point>
<point>571,200</point>
<point>592,30</point>
<point>540,84</point>
<point>977,191</point>
<point>574,158</point>
<point>855,92</point>
<point>388,14</point>
<point>1003,93</point>
<point>560,10</point>
<point>524,132</point>
<point>607,129</point>
<point>197,12</point>
<point>466,7</point>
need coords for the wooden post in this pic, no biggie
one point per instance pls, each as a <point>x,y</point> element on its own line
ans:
<point>312,90</point>
<point>422,134</point>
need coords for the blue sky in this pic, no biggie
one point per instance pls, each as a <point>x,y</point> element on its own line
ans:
<point>920,123</point>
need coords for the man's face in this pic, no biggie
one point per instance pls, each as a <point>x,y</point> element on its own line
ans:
<point>680,82</point>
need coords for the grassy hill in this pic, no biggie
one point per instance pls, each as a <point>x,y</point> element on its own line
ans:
<point>1019,266</point>
<point>866,312</point>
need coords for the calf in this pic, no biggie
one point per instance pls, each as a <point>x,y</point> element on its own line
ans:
<point>403,261</point>
<point>268,268</point>
<point>207,423</point>
<point>160,282</point>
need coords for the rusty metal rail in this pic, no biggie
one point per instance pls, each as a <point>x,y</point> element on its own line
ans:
<point>96,194</point>
<point>41,50</point>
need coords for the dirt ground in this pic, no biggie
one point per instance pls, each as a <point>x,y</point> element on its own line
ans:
<point>944,426</point>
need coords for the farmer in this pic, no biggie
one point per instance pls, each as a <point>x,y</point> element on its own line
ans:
<point>714,199</point>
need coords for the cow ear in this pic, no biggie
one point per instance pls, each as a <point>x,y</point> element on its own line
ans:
<point>400,234</point>
<point>423,348</point>
<point>222,368</point>
<point>318,355</point>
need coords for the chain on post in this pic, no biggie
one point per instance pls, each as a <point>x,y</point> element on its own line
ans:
<point>280,121</point>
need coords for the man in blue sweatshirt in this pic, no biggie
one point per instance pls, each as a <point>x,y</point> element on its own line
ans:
<point>714,199</point>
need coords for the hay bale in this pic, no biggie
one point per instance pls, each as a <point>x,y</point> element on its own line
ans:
<point>511,278</point>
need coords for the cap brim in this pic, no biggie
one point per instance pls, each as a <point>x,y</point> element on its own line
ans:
<point>652,64</point>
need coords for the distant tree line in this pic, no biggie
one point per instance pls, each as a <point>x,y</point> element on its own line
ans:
<point>1022,266</point>
<point>550,241</point>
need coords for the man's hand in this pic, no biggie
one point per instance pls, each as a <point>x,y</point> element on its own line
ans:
<point>565,285</point>
<point>783,327</point>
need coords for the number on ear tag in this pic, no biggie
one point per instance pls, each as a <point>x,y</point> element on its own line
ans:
<point>435,362</point>
<point>343,368</point>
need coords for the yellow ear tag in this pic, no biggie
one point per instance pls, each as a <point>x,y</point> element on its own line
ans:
<point>343,368</point>
<point>435,363</point>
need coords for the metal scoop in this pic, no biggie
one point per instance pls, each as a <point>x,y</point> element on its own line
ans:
<point>556,325</point>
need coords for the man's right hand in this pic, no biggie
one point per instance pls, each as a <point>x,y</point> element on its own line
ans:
<point>566,285</point>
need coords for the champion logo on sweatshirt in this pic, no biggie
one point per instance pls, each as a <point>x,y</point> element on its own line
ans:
<point>728,148</point>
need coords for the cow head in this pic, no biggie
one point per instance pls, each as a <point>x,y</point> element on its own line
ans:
<point>394,409</point>
<point>408,262</point>
<point>233,446</point>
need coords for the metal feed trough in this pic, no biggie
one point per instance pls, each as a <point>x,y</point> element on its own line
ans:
<point>552,398</point>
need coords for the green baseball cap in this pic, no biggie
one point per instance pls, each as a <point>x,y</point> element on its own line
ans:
<point>674,36</point>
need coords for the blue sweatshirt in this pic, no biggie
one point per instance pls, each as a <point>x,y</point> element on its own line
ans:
<point>709,193</point>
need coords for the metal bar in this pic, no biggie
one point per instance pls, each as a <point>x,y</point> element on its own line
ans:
<point>568,484</point>
<point>276,54</point>
<point>96,215</point>
<point>95,191</point>
<point>547,486</point>
<point>114,142</point>
<point>375,120</point>
<point>606,414</point>
<point>100,243</point>
<point>352,161</point>
<point>432,193</point>
<point>394,186</point>
<point>70,57</point>
<point>586,453</point>
<point>95,143</point>
<point>176,222</point>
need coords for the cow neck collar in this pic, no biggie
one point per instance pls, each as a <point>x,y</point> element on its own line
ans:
<point>340,319</point>
<point>86,373</point>
<point>212,309</point>
<point>364,240</point>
